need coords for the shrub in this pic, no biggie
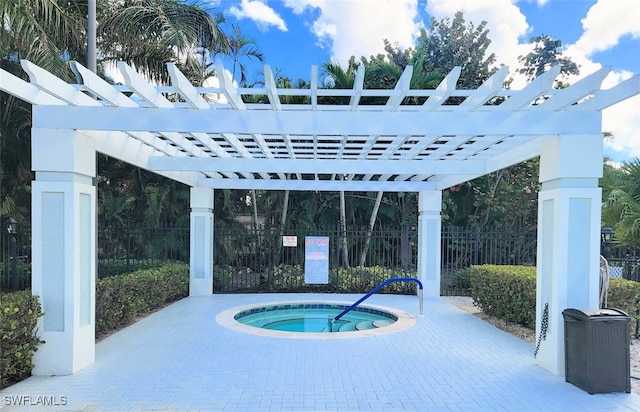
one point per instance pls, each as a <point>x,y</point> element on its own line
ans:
<point>121,299</point>
<point>287,276</point>
<point>19,313</point>
<point>625,295</point>
<point>114,267</point>
<point>222,276</point>
<point>507,292</point>
<point>364,279</point>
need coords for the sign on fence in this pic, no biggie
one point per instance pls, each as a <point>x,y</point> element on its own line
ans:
<point>289,241</point>
<point>316,259</point>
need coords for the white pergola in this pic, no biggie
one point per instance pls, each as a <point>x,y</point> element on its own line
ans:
<point>209,138</point>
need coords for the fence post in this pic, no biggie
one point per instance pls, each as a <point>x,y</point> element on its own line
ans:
<point>128,247</point>
<point>405,251</point>
<point>270,251</point>
<point>14,263</point>
<point>476,244</point>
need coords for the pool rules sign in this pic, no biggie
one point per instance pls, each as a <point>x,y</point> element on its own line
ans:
<point>316,259</point>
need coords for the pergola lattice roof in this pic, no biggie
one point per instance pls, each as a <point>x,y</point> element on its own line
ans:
<point>210,137</point>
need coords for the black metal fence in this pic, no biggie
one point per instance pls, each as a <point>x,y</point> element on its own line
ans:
<point>248,260</point>
<point>624,263</point>
<point>123,249</point>
<point>466,246</point>
<point>15,255</point>
<point>257,260</point>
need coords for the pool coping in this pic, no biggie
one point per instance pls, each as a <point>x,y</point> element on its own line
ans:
<point>226,319</point>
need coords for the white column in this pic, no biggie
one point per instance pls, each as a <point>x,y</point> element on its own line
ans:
<point>568,237</point>
<point>201,255</point>
<point>64,249</point>
<point>429,241</point>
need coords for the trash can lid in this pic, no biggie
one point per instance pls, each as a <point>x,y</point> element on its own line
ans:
<point>594,313</point>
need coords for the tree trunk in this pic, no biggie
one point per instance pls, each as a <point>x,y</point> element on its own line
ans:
<point>285,210</point>
<point>372,222</point>
<point>254,202</point>
<point>343,229</point>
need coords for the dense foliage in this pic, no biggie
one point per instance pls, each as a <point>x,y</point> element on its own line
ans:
<point>507,292</point>
<point>291,278</point>
<point>121,299</point>
<point>625,295</point>
<point>19,313</point>
<point>621,202</point>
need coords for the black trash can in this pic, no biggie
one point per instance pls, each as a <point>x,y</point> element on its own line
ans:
<point>596,348</point>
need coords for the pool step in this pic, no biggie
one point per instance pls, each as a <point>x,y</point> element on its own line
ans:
<point>364,325</point>
<point>381,323</point>
<point>347,327</point>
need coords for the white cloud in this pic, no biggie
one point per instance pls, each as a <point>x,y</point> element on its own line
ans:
<point>606,22</point>
<point>263,15</point>
<point>357,28</point>
<point>622,119</point>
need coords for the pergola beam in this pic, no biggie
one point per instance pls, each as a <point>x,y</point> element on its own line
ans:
<point>315,166</point>
<point>185,120</point>
<point>317,185</point>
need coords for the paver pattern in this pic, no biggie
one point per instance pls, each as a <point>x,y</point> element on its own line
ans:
<point>180,359</point>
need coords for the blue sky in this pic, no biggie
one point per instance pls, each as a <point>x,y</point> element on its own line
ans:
<point>296,34</point>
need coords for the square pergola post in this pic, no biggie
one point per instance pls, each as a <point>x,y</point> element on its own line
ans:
<point>201,242</point>
<point>64,249</point>
<point>429,229</point>
<point>568,237</point>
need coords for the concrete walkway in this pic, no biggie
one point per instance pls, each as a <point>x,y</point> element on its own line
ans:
<point>180,359</point>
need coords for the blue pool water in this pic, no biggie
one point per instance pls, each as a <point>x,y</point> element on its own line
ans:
<point>314,317</point>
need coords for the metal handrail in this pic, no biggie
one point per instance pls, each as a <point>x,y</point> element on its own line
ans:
<point>377,288</point>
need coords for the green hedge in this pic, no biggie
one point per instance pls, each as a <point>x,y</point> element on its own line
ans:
<point>364,279</point>
<point>19,313</point>
<point>115,267</point>
<point>342,280</point>
<point>507,292</point>
<point>625,295</point>
<point>121,299</point>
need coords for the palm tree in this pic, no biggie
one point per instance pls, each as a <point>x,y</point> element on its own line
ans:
<point>241,49</point>
<point>382,72</point>
<point>621,206</point>
<point>149,33</point>
<point>145,33</point>
<point>45,32</point>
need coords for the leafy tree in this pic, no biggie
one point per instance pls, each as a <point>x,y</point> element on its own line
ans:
<point>451,42</point>
<point>546,54</point>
